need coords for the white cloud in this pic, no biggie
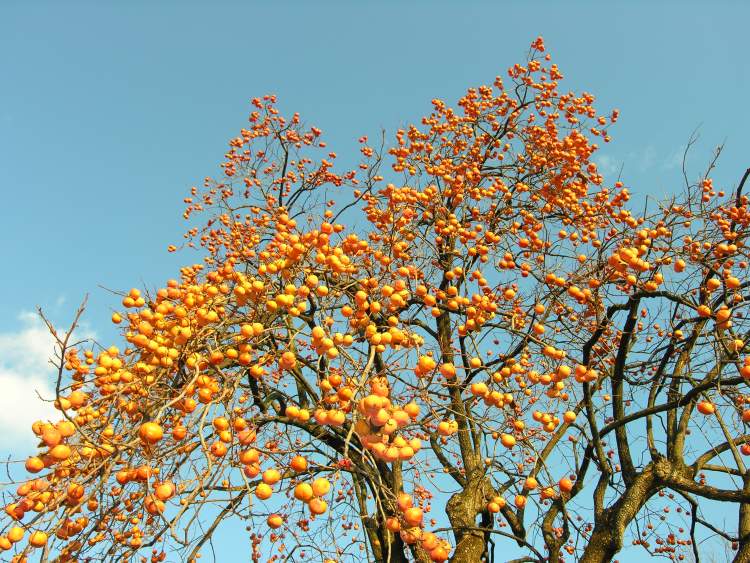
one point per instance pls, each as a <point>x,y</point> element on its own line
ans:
<point>643,160</point>
<point>25,375</point>
<point>674,159</point>
<point>607,165</point>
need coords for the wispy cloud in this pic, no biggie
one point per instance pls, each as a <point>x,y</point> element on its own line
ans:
<point>641,160</point>
<point>674,159</point>
<point>607,165</point>
<point>645,158</point>
<point>26,378</point>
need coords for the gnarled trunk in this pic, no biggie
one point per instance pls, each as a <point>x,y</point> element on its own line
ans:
<point>609,529</point>
<point>463,509</point>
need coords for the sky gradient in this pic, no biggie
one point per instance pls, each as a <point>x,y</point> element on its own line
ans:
<point>109,114</point>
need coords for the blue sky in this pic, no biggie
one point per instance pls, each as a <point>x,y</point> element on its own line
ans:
<point>108,114</point>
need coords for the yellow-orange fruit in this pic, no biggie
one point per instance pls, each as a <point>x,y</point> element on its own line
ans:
<point>404,501</point>
<point>303,492</point>
<point>321,486</point>
<point>150,432</point>
<point>566,485</point>
<point>165,490</point>
<point>16,533</point>
<point>34,465</point>
<point>413,516</point>
<point>275,521</point>
<point>60,452</point>
<point>318,506</point>
<point>271,476</point>
<point>508,440</point>
<point>263,491</point>
<point>298,463</point>
<point>38,539</point>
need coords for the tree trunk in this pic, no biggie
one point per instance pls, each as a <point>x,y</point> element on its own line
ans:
<point>602,546</point>
<point>743,553</point>
<point>743,528</point>
<point>609,529</point>
<point>463,509</point>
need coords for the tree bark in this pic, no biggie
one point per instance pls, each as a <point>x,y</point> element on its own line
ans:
<point>463,509</point>
<point>743,528</point>
<point>609,529</point>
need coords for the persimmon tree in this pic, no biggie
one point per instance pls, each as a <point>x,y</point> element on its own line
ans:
<point>467,347</point>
